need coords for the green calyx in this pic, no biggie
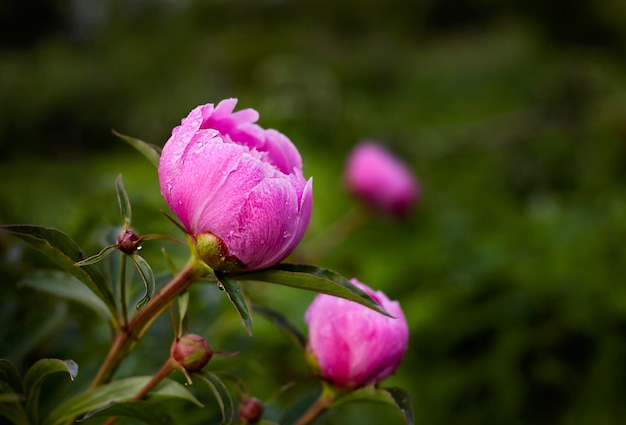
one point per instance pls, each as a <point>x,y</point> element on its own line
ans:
<point>214,253</point>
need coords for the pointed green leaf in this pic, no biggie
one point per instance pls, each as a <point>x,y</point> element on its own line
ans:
<point>183,303</point>
<point>395,396</point>
<point>143,411</point>
<point>233,290</point>
<point>116,391</point>
<point>96,258</point>
<point>281,322</point>
<point>312,278</point>
<point>124,201</point>
<point>147,277</point>
<point>65,252</point>
<point>221,393</point>
<point>10,376</point>
<point>36,376</point>
<point>151,152</point>
<point>66,286</point>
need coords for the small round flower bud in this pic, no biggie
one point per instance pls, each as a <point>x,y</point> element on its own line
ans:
<point>192,352</point>
<point>251,410</point>
<point>128,241</point>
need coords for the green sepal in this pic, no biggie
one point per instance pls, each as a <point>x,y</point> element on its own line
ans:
<point>233,290</point>
<point>151,152</point>
<point>224,400</point>
<point>144,411</point>
<point>281,322</point>
<point>65,252</point>
<point>96,258</point>
<point>66,286</point>
<point>312,278</point>
<point>124,201</point>
<point>35,377</point>
<point>117,391</point>
<point>147,277</point>
<point>393,396</point>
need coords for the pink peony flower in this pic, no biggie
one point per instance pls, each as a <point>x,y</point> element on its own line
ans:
<point>381,180</point>
<point>235,186</point>
<point>353,345</point>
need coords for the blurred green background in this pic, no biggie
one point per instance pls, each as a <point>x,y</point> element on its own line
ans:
<point>512,114</point>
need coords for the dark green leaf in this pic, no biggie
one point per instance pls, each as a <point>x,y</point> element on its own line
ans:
<point>66,286</point>
<point>36,376</point>
<point>233,290</point>
<point>151,152</point>
<point>124,201</point>
<point>147,277</point>
<point>65,252</point>
<point>395,396</point>
<point>281,322</point>
<point>116,391</point>
<point>10,376</point>
<point>297,408</point>
<point>14,413</point>
<point>312,278</point>
<point>221,394</point>
<point>143,411</point>
<point>96,258</point>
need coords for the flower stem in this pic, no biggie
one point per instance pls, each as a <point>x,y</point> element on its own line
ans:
<point>128,336</point>
<point>321,404</point>
<point>123,302</point>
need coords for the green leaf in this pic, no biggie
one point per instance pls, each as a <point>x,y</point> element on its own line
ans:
<point>14,413</point>
<point>147,277</point>
<point>144,411</point>
<point>233,290</point>
<point>65,252</point>
<point>117,391</point>
<point>183,303</point>
<point>66,286</point>
<point>36,376</point>
<point>10,376</point>
<point>124,201</point>
<point>151,152</point>
<point>281,322</point>
<point>395,396</point>
<point>221,393</point>
<point>312,278</point>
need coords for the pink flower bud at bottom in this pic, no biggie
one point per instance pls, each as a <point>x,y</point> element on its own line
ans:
<point>351,345</point>
<point>191,352</point>
<point>251,410</point>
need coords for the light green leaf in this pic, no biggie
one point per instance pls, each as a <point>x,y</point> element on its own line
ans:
<point>36,376</point>
<point>312,278</point>
<point>124,201</point>
<point>66,286</point>
<point>147,277</point>
<point>143,411</point>
<point>233,290</point>
<point>151,152</point>
<point>395,396</point>
<point>281,322</point>
<point>221,393</point>
<point>96,258</point>
<point>65,252</point>
<point>117,391</point>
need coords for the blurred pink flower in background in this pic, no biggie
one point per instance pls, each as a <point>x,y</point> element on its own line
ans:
<point>353,345</point>
<point>240,185</point>
<point>381,180</point>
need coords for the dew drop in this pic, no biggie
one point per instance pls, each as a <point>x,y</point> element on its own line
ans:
<point>220,286</point>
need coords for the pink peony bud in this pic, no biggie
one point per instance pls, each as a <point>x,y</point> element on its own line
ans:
<point>381,180</point>
<point>251,410</point>
<point>192,352</point>
<point>353,345</point>
<point>223,175</point>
